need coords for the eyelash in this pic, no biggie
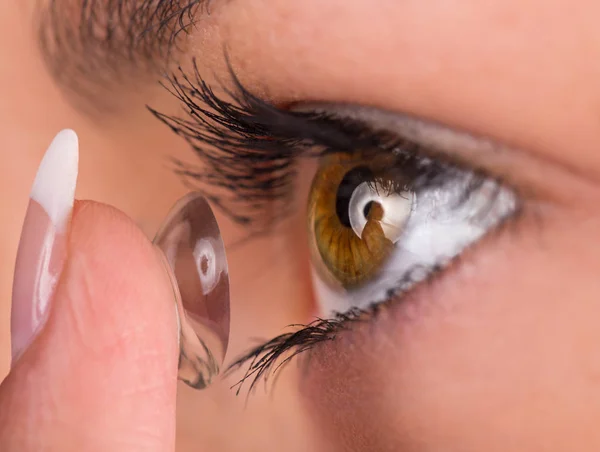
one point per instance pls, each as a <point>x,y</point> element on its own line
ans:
<point>249,148</point>
<point>270,357</point>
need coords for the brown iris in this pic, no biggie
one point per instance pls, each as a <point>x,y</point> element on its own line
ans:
<point>350,258</point>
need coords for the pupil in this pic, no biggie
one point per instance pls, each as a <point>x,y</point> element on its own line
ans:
<point>367,209</point>
<point>351,180</point>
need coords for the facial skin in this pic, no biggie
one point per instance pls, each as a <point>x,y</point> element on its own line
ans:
<point>500,351</point>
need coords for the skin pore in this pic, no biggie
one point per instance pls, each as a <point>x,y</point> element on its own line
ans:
<point>500,351</point>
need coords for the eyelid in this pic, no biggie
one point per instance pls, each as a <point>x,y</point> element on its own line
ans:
<point>527,175</point>
<point>434,139</point>
<point>426,133</point>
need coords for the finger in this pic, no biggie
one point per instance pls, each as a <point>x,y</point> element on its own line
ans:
<point>101,374</point>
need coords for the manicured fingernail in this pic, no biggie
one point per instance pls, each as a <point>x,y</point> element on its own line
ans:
<point>43,246</point>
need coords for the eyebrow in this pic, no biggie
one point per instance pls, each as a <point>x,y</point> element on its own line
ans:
<point>94,46</point>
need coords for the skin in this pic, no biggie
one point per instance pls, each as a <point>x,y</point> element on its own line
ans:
<point>497,353</point>
<point>101,344</point>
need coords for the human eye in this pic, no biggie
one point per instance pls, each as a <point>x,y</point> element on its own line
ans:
<point>386,216</point>
<point>388,206</point>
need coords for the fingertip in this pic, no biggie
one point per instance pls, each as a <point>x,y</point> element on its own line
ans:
<point>115,285</point>
<point>105,364</point>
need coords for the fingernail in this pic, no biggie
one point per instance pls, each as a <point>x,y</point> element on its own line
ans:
<point>43,246</point>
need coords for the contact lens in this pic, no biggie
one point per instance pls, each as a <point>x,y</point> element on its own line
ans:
<point>194,255</point>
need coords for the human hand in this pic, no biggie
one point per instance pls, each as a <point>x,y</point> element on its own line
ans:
<point>99,371</point>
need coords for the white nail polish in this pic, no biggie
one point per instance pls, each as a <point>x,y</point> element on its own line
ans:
<point>54,185</point>
<point>43,246</point>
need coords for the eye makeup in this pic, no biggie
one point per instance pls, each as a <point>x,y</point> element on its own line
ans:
<point>250,150</point>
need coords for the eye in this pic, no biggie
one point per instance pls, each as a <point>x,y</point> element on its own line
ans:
<point>380,222</point>
<point>387,207</point>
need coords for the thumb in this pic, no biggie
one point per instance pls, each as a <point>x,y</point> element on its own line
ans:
<point>100,372</point>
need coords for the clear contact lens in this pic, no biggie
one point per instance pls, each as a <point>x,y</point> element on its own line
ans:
<point>194,254</point>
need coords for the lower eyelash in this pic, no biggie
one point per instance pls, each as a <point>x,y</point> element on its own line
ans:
<point>267,359</point>
<point>271,357</point>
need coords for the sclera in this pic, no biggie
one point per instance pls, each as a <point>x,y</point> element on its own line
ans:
<point>190,243</point>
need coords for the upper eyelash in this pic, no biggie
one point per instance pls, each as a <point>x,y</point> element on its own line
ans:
<point>249,148</point>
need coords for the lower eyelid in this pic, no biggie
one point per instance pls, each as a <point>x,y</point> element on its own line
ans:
<point>431,296</point>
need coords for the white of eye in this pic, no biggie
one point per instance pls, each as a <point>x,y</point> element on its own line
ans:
<point>437,229</point>
<point>396,209</point>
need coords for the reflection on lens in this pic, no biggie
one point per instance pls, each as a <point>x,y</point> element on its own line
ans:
<point>191,244</point>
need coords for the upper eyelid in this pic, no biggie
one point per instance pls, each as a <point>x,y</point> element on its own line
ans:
<point>436,137</point>
<point>436,141</point>
<point>524,172</point>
